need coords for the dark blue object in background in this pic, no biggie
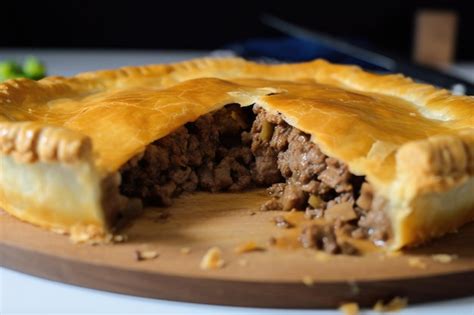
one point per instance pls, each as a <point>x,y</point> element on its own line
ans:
<point>288,49</point>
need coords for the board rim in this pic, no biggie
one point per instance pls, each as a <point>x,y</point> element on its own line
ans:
<point>230,292</point>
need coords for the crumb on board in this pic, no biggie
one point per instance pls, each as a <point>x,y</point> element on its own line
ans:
<point>59,231</point>
<point>141,255</point>
<point>321,256</point>
<point>349,308</point>
<point>281,222</point>
<point>119,238</point>
<point>416,262</point>
<point>161,216</point>
<point>444,258</point>
<point>243,262</point>
<point>89,234</point>
<point>156,214</point>
<point>185,250</point>
<point>394,253</point>
<point>308,281</point>
<point>390,254</point>
<point>212,259</point>
<point>394,305</point>
<point>249,246</point>
<point>272,241</point>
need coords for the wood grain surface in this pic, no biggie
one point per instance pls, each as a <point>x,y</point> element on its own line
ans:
<point>272,277</point>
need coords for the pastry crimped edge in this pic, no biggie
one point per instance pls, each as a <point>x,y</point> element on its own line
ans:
<point>440,177</point>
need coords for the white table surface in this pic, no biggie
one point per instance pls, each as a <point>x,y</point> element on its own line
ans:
<point>25,294</point>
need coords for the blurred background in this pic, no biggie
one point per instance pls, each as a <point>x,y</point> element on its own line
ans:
<point>437,34</point>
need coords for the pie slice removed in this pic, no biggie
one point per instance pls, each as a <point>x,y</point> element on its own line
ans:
<point>390,159</point>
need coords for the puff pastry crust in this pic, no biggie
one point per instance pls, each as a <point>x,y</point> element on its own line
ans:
<point>62,140</point>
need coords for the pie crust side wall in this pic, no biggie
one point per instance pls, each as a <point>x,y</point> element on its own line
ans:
<point>64,198</point>
<point>433,192</point>
<point>53,169</point>
<point>433,214</point>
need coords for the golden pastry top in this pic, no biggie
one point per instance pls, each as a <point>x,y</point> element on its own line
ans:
<point>360,118</point>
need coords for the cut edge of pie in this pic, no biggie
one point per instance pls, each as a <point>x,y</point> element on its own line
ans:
<point>60,159</point>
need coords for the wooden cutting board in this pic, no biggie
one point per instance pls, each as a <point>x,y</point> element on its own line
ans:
<point>282,275</point>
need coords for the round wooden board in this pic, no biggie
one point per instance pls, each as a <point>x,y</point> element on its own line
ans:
<point>269,278</point>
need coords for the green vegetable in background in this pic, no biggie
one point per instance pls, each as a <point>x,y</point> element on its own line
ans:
<point>9,70</point>
<point>32,68</point>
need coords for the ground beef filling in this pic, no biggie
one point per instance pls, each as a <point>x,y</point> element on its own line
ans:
<point>207,154</point>
<point>234,149</point>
